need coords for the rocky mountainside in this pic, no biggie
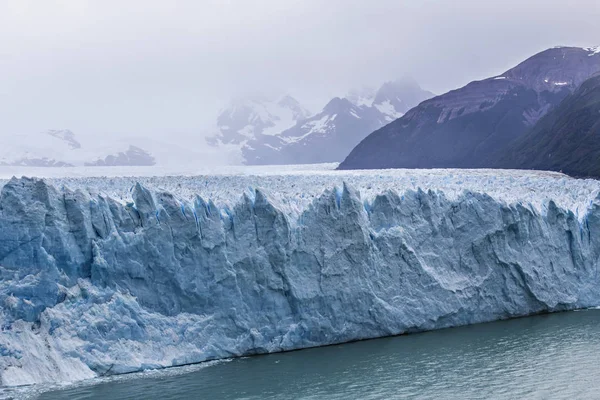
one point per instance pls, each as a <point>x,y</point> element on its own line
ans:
<point>464,128</point>
<point>567,139</point>
<point>282,132</point>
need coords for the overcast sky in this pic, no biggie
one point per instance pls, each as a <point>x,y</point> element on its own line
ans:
<point>162,67</point>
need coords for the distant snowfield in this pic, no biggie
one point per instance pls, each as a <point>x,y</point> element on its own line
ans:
<point>294,187</point>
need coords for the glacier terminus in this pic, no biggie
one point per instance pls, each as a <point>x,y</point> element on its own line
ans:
<point>102,276</point>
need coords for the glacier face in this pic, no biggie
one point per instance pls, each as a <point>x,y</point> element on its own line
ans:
<point>93,286</point>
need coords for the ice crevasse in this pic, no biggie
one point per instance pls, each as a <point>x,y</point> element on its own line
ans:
<point>91,286</point>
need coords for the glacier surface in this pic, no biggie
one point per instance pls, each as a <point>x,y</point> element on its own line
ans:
<point>102,276</point>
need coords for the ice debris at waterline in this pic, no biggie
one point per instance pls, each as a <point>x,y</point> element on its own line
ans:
<point>91,286</point>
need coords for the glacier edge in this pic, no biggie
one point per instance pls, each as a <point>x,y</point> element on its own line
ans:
<point>90,286</point>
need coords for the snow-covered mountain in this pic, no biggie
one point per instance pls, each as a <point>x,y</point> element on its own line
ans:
<point>245,119</point>
<point>282,133</point>
<point>61,148</point>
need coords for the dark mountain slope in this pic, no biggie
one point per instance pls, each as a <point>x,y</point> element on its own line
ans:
<point>465,127</point>
<point>567,139</point>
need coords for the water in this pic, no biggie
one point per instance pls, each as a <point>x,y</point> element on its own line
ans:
<point>553,356</point>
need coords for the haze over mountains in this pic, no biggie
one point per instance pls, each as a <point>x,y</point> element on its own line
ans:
<point>62,148</point>
<point>66,148</point>
<point>471,126</point>
<point>541,114</point>
<point>282,132</point>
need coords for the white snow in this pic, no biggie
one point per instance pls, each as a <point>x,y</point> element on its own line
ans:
<point>593,50</point>
<point>321,125</point>
<point>282,118</point>
<point>354,114</point>
<point>387,108</point>
<point>272,147</point>
<point>499,78</point>
<point>561,83</point>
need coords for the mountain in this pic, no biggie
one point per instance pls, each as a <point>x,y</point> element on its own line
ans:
<point>245,119</point>
<point>567,139</point>
<point>329,135</point>
<point>61,148</point>
<point>465,127</point>
<point>324,137</point>
<point>132,156</point>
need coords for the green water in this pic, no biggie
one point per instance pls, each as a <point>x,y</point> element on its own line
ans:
<point>553,356</point>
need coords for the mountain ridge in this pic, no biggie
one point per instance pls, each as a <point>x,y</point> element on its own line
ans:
<point>326,136</point>
<point>462,128</point>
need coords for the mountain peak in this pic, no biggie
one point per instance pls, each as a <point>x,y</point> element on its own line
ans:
<point>553,69</point>
<point>395,98</point>
<point>292,104</point>
<point>337,105</point>
<point>288,101</point>
<point>362,97</point>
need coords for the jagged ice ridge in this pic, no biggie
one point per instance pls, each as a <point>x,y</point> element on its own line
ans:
<point>95,284</point>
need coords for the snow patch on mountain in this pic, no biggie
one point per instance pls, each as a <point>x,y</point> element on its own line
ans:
<point>321,125</point>
<point>388,110</point>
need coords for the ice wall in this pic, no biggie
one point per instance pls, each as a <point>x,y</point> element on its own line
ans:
<point>91,286</point>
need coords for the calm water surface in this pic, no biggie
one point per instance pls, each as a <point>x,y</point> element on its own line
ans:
<point>553,356</point>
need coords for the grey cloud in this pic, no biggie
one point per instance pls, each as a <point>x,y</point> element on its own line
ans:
<point>157,68</point>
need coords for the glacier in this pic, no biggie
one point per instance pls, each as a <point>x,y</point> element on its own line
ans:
<point>103,276</point>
